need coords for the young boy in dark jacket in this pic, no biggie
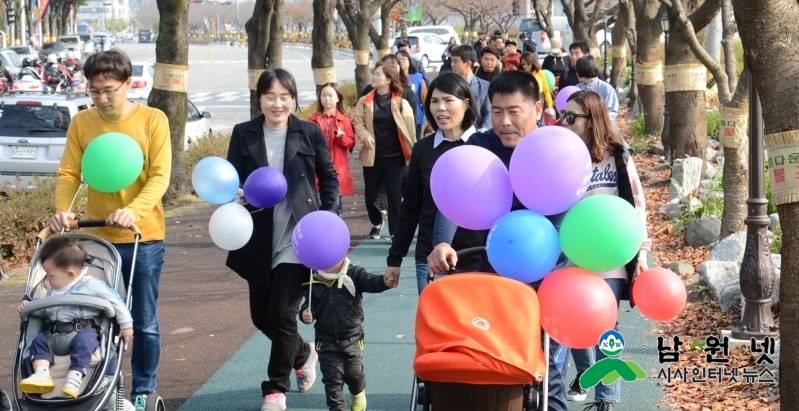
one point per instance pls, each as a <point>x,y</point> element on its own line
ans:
<point>336,303</point>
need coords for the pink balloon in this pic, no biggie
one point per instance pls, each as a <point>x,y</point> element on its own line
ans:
<point>471,187</point>
<point>563,96</point>
<point>550,170</point>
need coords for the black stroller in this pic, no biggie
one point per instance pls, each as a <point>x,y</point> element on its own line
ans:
<point>98,388</point>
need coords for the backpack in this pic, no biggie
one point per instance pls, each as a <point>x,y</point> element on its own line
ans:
<point>51,73</point>
<point>621,155</point>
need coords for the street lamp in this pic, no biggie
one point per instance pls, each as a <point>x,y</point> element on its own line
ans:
<point>757,270</point>
<point>664,135</point>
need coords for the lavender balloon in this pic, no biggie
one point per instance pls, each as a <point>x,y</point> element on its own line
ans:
<point>265,187</point>
<point>550,170</point>
<point>471,187</point>
<point>320,240</point>
<point>563,96</point>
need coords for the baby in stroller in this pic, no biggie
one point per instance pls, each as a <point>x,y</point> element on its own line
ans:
<point>335,301</point>
<point>72,327</point>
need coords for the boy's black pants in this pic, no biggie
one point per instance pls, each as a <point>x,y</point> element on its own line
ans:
<point>341,362</point>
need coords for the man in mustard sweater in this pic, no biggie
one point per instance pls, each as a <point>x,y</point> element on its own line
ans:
<point>109,78</point>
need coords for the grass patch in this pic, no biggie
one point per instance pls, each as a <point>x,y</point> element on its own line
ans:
<point>213,145</point>
<point>24,213</point>
<point>713,120</point>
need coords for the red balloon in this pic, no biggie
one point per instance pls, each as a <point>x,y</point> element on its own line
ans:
<point>659,294</point>
<point>577,307</point>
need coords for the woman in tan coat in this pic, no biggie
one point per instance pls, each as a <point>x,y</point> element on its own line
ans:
<point>386,131</point>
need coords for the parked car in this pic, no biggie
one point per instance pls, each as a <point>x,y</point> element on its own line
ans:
<point>198,124</point>
<point>26,52</point>
<point>141,80</point>
<point>424,47</point>
<point>58,48</point>
<point>445,32</point>
<point>11,61</point>
<point>560,26</point>
<point>88,46</point>
<point>33,134</point>
<point>73,43</point>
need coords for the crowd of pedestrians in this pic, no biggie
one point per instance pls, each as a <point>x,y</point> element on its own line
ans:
<point>493,96</point>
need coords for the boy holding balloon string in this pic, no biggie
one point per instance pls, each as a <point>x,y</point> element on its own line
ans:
<point>335,300</point>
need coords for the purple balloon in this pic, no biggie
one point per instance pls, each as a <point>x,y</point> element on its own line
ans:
<point>320,240</point>
<point>550,170</point>
<point>265,187</point>
<point>471,187</point>
<point>563,96</point>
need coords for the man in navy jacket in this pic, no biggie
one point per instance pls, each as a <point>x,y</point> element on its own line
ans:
<point>515,111</point>
<point>463,59</point>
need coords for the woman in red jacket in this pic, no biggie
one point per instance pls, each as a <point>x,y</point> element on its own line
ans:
<point>337,129</point>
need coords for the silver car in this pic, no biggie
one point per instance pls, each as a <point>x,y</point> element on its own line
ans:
<point>425,47</point>
<point>11,61</point>
<point>33,134</point>
<point>26,52</point>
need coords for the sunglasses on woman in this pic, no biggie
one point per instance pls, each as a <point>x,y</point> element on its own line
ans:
<point>570,117</point>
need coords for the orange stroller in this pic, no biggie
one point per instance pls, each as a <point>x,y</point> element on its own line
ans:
<point>478,344</point>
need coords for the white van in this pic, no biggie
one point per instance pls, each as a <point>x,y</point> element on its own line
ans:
<point>445,32</point>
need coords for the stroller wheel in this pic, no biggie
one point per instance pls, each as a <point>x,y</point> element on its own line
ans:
<point>155,403</point>
<point>530,397</point>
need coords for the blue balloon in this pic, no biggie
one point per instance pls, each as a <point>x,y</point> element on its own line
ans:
<point>215,180</point>
<point>523,245</point>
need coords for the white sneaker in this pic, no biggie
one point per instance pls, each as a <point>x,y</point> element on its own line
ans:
<point>39,383</point>
<point>274,402</point>
<point>72,384</point>
<point>307,374</point>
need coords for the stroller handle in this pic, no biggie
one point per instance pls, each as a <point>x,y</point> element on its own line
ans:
<point>466,253</point>
<point>46,232</point>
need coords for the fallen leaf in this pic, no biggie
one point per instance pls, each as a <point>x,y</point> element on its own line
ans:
<point>398,336</point>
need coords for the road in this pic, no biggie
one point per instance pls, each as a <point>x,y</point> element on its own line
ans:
<point>218,78</point>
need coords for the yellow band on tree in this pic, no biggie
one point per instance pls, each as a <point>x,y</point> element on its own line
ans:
<point>783,166</point>
<point>648,73</point>
<point>361,57</point>
<point>594,51</point>
<point>685,77</point>
<point>324,75</point>
<point>382,53</point>
<point>253,76</point>
<point>733,123</point>
<point>618,52</point>
<point>171,77</point>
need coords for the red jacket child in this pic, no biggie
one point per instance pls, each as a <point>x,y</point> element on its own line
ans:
<point>340,137</point>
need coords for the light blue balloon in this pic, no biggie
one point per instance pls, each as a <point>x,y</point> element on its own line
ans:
<point>215,180</point>
<point>523,245</point>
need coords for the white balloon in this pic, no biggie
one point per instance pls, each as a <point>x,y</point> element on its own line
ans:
<point>230,226</point>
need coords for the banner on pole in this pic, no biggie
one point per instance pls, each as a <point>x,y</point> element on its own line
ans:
<point>414,11</point>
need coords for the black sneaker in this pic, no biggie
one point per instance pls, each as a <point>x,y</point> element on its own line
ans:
<point>599,406</point>
<point>576,393</point>
<point>375,232</point>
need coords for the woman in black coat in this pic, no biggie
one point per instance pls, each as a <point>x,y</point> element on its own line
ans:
<point>278,139</point>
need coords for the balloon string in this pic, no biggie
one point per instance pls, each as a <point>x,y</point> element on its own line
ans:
<point>310,294</point>
<point>72,204</point>
<point>253,212</point>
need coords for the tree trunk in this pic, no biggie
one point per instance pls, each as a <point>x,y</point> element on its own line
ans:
<point>583,26</point>
<point>358,22</point>
<point>259,36</point>
<point>648,30</point>
<point>736,170</point>
<point>687,113</point>
<point>769,35</point>
<point>322,55</point>
<point>729,28</point>
<point>172,47</point>
<point>625,21</point>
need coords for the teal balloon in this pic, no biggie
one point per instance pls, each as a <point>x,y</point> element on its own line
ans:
<point>215,180</point>
<point>112,162</point>
<point>550,79</point>
<point>601,233</point>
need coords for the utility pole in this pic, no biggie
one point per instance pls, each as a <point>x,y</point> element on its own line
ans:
<point>527,11</point>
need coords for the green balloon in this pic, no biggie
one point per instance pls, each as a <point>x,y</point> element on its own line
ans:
<point>601,233</point>
<point>550,79</point>
<point>112,162</point>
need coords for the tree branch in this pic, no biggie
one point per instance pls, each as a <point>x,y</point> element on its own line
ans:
<point>702,16</point>
<point>677,14</point>
<point>728,32</point>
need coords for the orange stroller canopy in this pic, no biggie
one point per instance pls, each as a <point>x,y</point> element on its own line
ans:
<point>478,328</point>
